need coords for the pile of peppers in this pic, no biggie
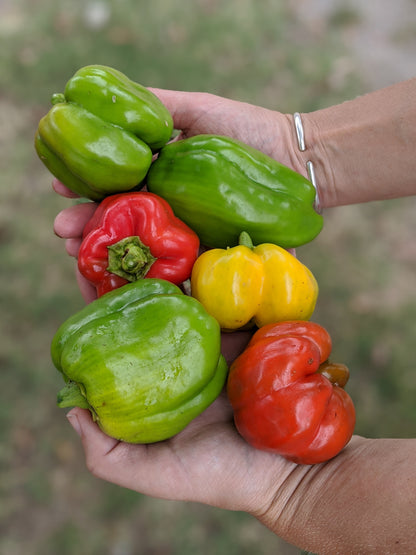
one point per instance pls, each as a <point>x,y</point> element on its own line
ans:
<point>190,239</point>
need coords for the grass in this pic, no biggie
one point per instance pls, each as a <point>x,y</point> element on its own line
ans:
<point>363,259</point>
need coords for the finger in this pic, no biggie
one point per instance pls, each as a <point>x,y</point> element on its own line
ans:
<point>88,291</point>
<point>234,343</point>
<point>72,246</point>
<point>62,190</point>
<point>186,107</point>
<point>96,443</point>
<point>70,222</point>
<point>128,465</point>
<point>106,458</point>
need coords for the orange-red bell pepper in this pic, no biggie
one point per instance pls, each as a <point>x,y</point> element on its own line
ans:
<point>287,398</point>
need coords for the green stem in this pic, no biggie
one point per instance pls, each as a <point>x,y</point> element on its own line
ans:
<point>245,239</point>
<point>70,396</point>
<point>129,258</point>
<point>58,98</point>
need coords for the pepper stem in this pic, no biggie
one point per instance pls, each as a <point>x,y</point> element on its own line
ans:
<point>71,396</point>
<point>58,98</point>
<point>129,259</point>
<point>336,372</point>
<point>245,240</point>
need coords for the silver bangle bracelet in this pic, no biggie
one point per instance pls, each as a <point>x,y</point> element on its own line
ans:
<point>309,165</point>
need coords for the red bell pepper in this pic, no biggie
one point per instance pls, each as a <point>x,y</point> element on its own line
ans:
<point>287,397</point>
<point>132,236</point>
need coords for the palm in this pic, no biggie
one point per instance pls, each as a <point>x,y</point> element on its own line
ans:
<point>207,462</point>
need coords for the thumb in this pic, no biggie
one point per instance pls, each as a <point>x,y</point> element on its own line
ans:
<point>96,443</point>
<point>131,466</point>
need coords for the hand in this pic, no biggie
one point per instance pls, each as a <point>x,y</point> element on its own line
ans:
<point>321,508</point>
<point>69,224</point>
<point>266,130</point>
<point>194,113</point>
<point>328,508</point>
<point>207,462</point>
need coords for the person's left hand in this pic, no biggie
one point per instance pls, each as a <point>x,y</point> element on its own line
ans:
<point>69,225</point>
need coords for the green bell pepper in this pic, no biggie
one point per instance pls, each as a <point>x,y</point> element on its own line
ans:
<point>220,187</point>
<point>145,359</point>
<point>99,136</point>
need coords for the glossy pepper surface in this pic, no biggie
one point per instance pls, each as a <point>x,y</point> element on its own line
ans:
<point>132,236</point>
<point>99,135</point>
<point>219,186</point>
<point>287,397</point>
<point>144,359</point>
<point>262,284</point>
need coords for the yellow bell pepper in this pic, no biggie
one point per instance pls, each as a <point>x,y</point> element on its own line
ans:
<point>253,285</point>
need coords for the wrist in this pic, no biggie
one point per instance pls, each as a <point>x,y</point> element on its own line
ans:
<point>316,162</point>
<point>286,149</point>
<point>363,149</point>
<point>325,508</point>
<point>304,157</point>
<point>299,511</point>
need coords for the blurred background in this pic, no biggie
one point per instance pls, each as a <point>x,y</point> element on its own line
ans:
<point>287,55</point>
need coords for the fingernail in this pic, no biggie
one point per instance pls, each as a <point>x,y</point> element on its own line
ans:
<point>73,420</point>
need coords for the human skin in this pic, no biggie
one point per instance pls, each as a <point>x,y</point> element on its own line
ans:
<point>362,501</point>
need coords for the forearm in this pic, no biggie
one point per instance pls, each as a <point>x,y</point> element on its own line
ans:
<point>363,501</point>
<point>363,149</point>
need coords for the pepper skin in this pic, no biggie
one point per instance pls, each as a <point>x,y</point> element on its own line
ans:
<point>99,135</point>
<point>262,284</point>
<point>112,96</point>
<point>144,359</point>
<point>283,395</point>
<point>219,186</point>
<point>132,236</point>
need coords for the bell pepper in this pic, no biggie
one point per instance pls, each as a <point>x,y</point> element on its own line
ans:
<point>99,135</point>
<point>220,186</point>
<point>287,397</point>
<point>132,236</point>
<point>262,284</point>
<point>144,359</point>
